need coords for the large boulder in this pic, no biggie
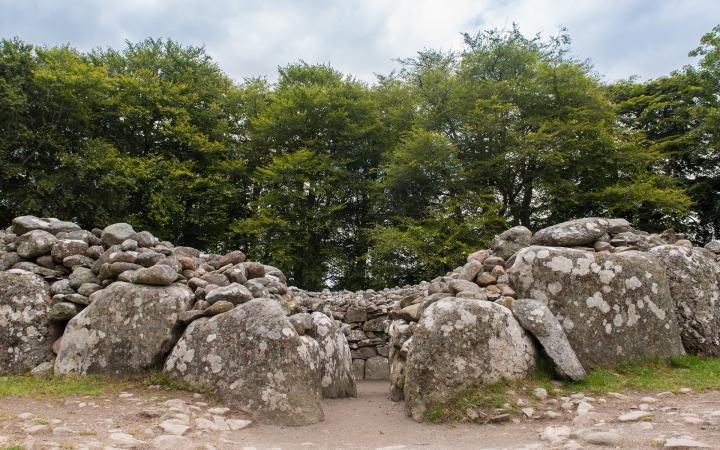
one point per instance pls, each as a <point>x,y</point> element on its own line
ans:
<point>510,241</point>
<point>578,232</point>
<point>255,360</point>
<point>127,330</point>
<point>695,287</point>
<point>35,243</point>
<point>25,335</point>
<point>540,321</point>
<point>337,379</point>
<point>460,343</point>
<point>613,307</point>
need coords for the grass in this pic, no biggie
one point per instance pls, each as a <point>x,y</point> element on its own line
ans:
<point>57,388</point>
<point>652,375</point>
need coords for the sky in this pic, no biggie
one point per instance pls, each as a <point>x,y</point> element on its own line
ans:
<point>645,38</point>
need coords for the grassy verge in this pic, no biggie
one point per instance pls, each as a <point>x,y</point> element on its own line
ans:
<point>57,388</point>
<point>491,400</point>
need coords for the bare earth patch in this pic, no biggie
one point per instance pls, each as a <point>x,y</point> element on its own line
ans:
<point>371,421</point>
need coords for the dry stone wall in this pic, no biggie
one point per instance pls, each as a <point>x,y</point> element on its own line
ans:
<point>593,292</point>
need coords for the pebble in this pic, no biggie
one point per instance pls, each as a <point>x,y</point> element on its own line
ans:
<point>172,427</point>
<point>648,400</point>
<point>665,394</point>
<point>528,412</point>
<point>205,424</point>
<point>552,415</point>
<point>125,395</point>
<point>633,416</point>
<point>37,429</point>
<point>607,438</point>
<point>685,390</point>
<point>694,420</point>
<point>237,424</point>
<point>618,396</point>
<point>583,406</point>
<point>25,416</point>
<point>124,439</point>
<point>172,442</point>
<point>540,393</point>
<point>218,411</point>
<point>61,431</point>
<point>685,443</point>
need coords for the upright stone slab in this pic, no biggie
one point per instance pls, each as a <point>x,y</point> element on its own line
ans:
<point>459,343</point>
<point>128,329</point>
<point>336,369</point>
<point>255,360</point>
<point>695,287</point>
<point>613,307</point>
<point>25,334</point>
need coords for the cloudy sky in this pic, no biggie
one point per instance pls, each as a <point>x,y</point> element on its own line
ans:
<point>648,38</point>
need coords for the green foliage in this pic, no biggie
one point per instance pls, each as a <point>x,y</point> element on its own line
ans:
<point>350,186</point>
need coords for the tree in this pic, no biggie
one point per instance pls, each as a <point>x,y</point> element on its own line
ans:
<point>678,116</point>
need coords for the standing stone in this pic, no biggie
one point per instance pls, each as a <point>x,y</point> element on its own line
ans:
<point>35,243</point>
<point>578,232</point>
<point>336,369</point>
<point>510,241</point>
<point>25,336</point>
<point>256,362</point>
<point>695,287</point>
<point>127,330</point>
<point>116,233</point>
<point>613,307</point>
<point>459,343</point>
<point>540,321</point>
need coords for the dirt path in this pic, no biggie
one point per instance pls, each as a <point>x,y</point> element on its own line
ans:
<point>370,421</point>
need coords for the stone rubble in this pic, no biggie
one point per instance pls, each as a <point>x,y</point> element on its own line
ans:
<point>116,302</point>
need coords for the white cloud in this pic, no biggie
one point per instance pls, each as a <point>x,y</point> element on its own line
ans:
<point>252,38</point>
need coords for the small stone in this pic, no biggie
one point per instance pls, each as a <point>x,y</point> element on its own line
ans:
<point>694,420</point>
<point>540,393</point>
<point>221,424</point>
<point>37,429</point>
<point>43,369</point>
<point>685,390</point>
<point>665,394</point>
<point>25,416</point>
<point>158,275</point>
<point>172,427</point>
<point>501,418</point>
<point>125,395</point>
<point>218,411</point>
<point>552,415</point>
<point>618,396</point>
<point>528,412</point>
<point>648,400</point>
<point>166,442</point>
<point>219,308</point>
<point>205,424</point>
<point>63,431</point>
<point>685,443</point>
<point>603,438</point>
<point>633,416</point>
<point>237,424</point>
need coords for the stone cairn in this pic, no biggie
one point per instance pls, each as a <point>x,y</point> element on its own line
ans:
<point>586,293</point>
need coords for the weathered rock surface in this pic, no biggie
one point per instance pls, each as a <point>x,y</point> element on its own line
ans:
<point>510,241</point>
<point>160,275</point>
<point>116,233</point>
<point>536,318</point>
<point>336,372</point>
<point>128,329</point>
<point>25,335</point>
<point>256,362</point>
<point>612,306</point>
<point>35,243</point>
<point>578,232</point>
<point>234,293</point>
<point>459,343</point>
<point>695,287</point>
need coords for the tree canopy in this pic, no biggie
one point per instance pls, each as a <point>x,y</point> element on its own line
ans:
<point>347,185</point>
